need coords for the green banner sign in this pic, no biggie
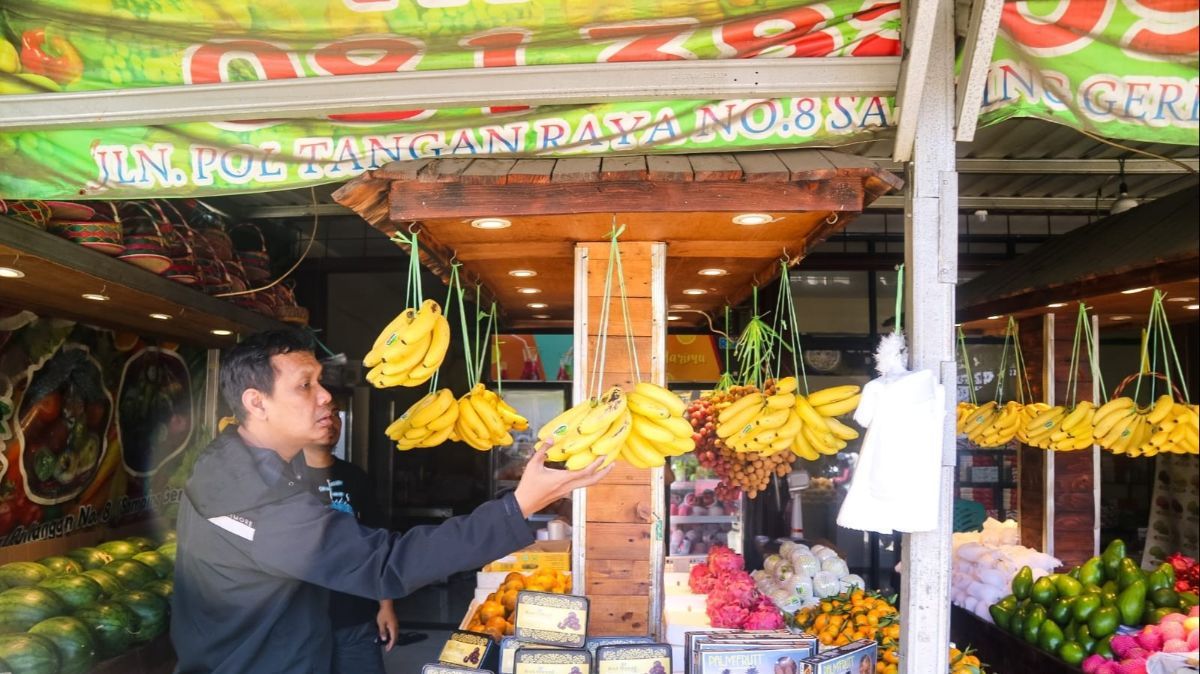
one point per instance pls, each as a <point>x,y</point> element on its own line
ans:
<point>1121,68</point>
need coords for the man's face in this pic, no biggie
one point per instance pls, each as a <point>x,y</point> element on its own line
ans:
<point>335,428</point>
<point>299,409</point>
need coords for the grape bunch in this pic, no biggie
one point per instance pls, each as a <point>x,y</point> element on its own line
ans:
<point>747,471</point>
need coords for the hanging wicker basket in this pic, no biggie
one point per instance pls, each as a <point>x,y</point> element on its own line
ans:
<point>255,262</point>
<point>289,311</point>
<point>104,236</point>
<point>1120,389</point>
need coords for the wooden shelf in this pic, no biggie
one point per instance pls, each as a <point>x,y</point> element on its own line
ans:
<point>704,519</point>
<point>58,272</point>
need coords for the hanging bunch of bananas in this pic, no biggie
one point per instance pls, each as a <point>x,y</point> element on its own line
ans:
<point>428,423</point>
<point>990,425</point>
<point>410,349</point>
<point>1029,412</point>
<point>630,427</point>
<point>1165,427</point>
<point>484,420</point>
<point>785,419</point>
<point>658,427</point>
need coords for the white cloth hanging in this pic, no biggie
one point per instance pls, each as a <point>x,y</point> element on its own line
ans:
<point>896,484</point>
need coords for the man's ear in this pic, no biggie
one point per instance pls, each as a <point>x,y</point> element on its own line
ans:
<point>254,403</point>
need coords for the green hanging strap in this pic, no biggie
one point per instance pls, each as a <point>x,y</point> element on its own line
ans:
<point>962,342</point>
<point>615,254</point>
<point>798,351</point>
<point>481,345</point>
<point>412,292</point>
<point>726,380</point>
<point>1170,339</point>
<point>1073,374</point>
<point>1097,375</point>
<point>496,354</point>
<point>1024,394</point>
<point>596,376</point>
<point>468,354</point>
<point>1003,372</point>
<point>433,381</point>
<point>899,299</point>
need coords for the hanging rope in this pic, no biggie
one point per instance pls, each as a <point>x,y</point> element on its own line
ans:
<point>615,253</point>
<point>899,299</point>
<point>1097,375</point>
<point>726,379</point>
<point>481,345</point>
<point>433,381</point>
<point>962,342</point>
<point>596,376</point>
<point>1025,394</point>
<point>468,354</point>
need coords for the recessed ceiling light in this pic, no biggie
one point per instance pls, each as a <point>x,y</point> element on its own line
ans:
<point>221,333</point>
<point>161,317</point>
<point>681,306</point>
<point>752,219</point>
<point>537,305</point>
<point>1169,299</point>
<point>695,291</point>
<point>529,291</point>
<point>1120,318</point>
<point>994,318</point>
<point>490,223</point>
<point>712,271</point>
<point>95,297</point>
<point>523,273</point>
<point>1133,291</point>
<point>674,318</point>
<point>1057,305</point>
<point>9,272</point>
<point>541,315</point>
<point>1193,307</point>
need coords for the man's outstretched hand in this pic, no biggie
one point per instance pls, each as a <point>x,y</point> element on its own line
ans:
<point>540,486</point>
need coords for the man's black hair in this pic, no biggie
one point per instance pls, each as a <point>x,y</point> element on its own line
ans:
<point>248,365</point>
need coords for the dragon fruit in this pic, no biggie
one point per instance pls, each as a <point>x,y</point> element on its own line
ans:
<point>722,560</point>
<point>1132,667</point>
<point>767,619</point>
<point>1093,663</point>
<point>727,615</point>
<point>700,580</point>
<point>1122,644</point>
<point>733,601</point>
<point>1150,639</point>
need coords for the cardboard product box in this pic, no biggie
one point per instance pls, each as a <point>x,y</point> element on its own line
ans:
<point>856,657</point>
<point>551,619</point>
<point>704,652</point>
<point>471,650</point>
<point>552,661</point>
<point>595,643</point>
<point>633,659</point>
<point>439,668</point>
<point>508,653</point>
<point>552,555</point>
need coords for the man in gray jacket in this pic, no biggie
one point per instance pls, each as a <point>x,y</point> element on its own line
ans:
<point>258,552</point>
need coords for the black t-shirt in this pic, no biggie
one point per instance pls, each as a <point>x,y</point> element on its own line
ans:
<point>344,487</point>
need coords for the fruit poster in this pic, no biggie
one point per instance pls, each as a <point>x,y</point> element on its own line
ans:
<point>94,425</point>
<point>1175,510</point>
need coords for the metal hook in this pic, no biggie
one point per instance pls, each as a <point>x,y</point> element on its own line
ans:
<point>414,227</point>
<point>831,219</point>
<point>454,258</point>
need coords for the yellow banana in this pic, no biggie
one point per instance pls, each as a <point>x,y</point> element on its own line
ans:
<point>735,423</point>
<point>488,414</point>
<point>647,407</point>
<point>611,406</point>
<point>677,426</point>
<point>576,441</point>
<point>419,375</point>
<point>802,448</point>
<point>566,420</point>
<point>747,401</point>
<point>680,446</point>
<point>446,419</point>
<point>808,414</point>
<point>651,432</point>
<point>772,418</point>
<point>1077,416</point>
<point>1110,407</point>
<point>615,436</point>
<point>404,360</point>
<point>781,401</point>
<point>833,394</point>
<point>556,454</point>
<point>662,396</point>
<point>441,401</point>
<point>1103,427</point>
<point>822,441</point>
<point>1162,407</point>
<point>401,321</point>
<point>840,407</point>
<point>580,460</point>
<point>792,426</point>
<point>439,343</point>
<point>841,430</point>
<point>469,422</point>
<point>426,316</point>
<point>436,438</point>
<point>786,385</point>
<point>628,456</point>
<point>647,456</point>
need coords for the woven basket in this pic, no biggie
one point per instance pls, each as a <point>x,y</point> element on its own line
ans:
<point>180,247</point>
<point>1120,389</point>
<point>33,213</point>
<point>219,241</point>
<point>289,311</point>
<point>256,262</point>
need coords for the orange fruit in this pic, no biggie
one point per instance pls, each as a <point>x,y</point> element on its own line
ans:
<point>509,600</point>
<point>490,610</point>
<point>496,635</point>
<point>508,629</point>
<point>513,575</point>
<point>497,623</point>
<point>518,584</point>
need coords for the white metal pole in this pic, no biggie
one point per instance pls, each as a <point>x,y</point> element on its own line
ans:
<point>1048,356</point>
<point>931,255</point>
<point>579,393</point>
<point>1096,448</point>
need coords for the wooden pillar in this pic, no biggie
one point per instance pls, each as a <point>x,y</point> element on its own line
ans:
<point>1072,495</point>
<point>618,538</point>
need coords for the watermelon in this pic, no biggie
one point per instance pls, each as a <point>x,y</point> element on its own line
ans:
<point>28,654</point>
<point>109,584</point>
<point>163,588</point>
<point>119,549</point>
<point>61,566</point>
<point>168,550</point>
<point>151,609</point>
<point>133,574</point>
<point>90,558</point>
<point>24,607</point>
<point>76,591</point>
<point>23,574</point>
<point>73,640</point>
<point>113,625</point>
<point>142,543</point>
<point>156,560</point>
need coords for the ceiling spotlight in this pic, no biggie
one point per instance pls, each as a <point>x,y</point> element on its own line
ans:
<point>1193,307</point>
<point>490,223</point>
<point>994,318</point>
<point>1122,317</point>
<point>161,317</point>
<point>1133,291</point>
<point>680,306</point>
<point>9,272</point>
<point>529,291</point>
<point>712,271</point>
<point>95,297</point>
<point>537,305</point>
<point>1056,305</point>
<point>752,219</point>
<point>541,315</point>
<point>221,332</point>
<point>674,318</point>
<point>1169,299</point>
<point>1124,202</point>
<point>523,273</point>
<point>695,291</point>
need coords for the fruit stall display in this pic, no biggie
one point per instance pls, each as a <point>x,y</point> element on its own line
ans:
<point>731,599</point>
<point>800,576</point>
<point>1077,614</point>
<point>985,563</point>
<point>494,616</point>
<point>63,614</point>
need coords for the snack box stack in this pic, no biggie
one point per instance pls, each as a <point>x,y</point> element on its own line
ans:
<point>747,652</point>
<point>683,612</point>
<point>856,657</point>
